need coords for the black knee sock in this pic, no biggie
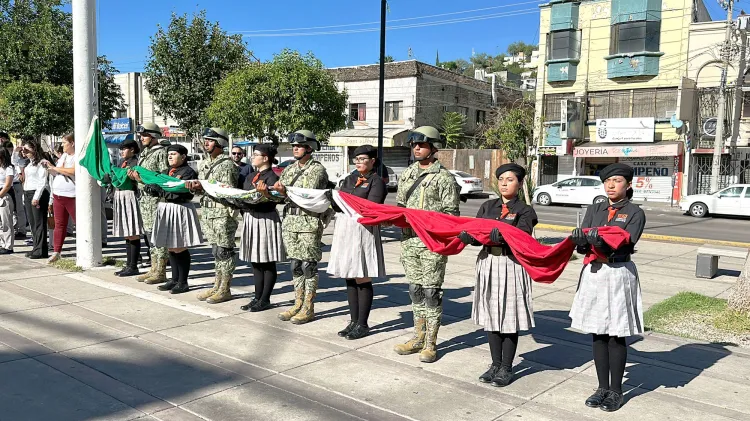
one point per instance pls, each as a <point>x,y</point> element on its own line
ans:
<point>183,260</point>
<point>269,280</point>
<point>510,344</point>
<point>173,259</point>
<point>496,347</point>
<point>135,247</point>
<point>601,360</point>
<point>364,294</point>
<point>618,356</point>
<point>129,258</point>
<point>258,280</point>
<point>353,295</point>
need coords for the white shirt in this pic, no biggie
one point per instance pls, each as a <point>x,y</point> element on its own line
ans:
<point>36,179</point>
<point>5,173</point>
<point>63,185</point>
<point>19,164</point>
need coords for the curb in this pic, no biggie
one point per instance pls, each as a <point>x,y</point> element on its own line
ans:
<point>657,237</point>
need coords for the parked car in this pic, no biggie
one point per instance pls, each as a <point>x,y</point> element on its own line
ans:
<point>194,160</point>
<point>280,168</point>
<point>582,190</point>
<point>733,200</point>
<point>468,183</point>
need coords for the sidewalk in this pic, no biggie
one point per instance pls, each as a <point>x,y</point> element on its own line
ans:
<point>92,346</point>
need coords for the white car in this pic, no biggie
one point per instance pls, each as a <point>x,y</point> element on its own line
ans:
<point>468,183</point>
<point>581,190</point>
<point>733,200</point>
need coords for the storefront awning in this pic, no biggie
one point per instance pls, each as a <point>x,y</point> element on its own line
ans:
<point>359,137</point>
<point>599,150</point>
<point>116,139</point>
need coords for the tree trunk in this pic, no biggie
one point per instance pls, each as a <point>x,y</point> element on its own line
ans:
<point>739,300</point>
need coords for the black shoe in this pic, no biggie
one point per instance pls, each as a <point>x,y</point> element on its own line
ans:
<point>612,402</point>
<point>5,251</point>
<point>37,256</point>
<point>180,288</point>
<point>347,329</point>
<point>249,305</point>
<point>359,332</point>
<point>503,377</point>
<point>489,374</point>
<point>128,271</point>
<point>168,286</point>
<point>595,400</point>
<point>260,306</point>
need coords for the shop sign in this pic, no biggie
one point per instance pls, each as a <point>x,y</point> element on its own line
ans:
<point>625,130</point>
<point>626,151</point>
<point>652,188</point>
<point>651,166</point>
<point>548,150</point>
<point>118,125</point>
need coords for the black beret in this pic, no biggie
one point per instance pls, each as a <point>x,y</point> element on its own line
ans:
<point>177,148</point>
<point>368,150</point>
<point>129,143</point>
<point>617,169</point>
<point>518,170</point>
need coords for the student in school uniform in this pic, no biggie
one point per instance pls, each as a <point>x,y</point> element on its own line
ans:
<point>128,222</point>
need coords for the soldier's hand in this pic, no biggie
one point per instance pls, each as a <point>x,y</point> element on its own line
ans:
<point>279,187</point>
<point>465,237</point>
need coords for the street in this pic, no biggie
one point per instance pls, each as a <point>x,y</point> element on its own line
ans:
<point>660,219</point>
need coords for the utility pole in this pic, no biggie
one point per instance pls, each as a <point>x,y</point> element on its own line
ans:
<point>381,96</point>
<point>719,139</point>
<point>85,97</point>
<point>738,93</point>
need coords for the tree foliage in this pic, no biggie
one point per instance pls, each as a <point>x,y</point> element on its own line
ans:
<point>452,127</point>
<point>188,60</point>
<point>29,108</point>
<point>288,93</point>
<point>388,59</point>
<point>491,63</point>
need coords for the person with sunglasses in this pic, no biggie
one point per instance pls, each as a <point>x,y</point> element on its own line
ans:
<point>37,195</point>
<point>153,157</point>
<point>302,230</point>
<point>218,220</point>
<point>357,250</point>
<point>426,185</point>
<point>238,154</point>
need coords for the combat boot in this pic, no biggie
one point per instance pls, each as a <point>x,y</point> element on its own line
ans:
<point>147,275</point>
<point>223,293</point>
<point>307,313</point>
<point>160,272</point>
<point>429,352</point>
<point>299,295</point>
<point>416,343</point>
<point>203,296</point>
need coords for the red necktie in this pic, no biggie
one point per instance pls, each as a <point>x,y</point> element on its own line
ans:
<point>255,179</point>
<point>504,212</point>
<point>124,164</point>
<point>612,211</point>
<point>171,172</point>
<point>360,180</point>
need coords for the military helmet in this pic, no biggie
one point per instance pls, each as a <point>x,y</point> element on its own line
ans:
<point>426,134</point>
<point>304,137</point>
<point>218,134</point>
<point>149,128</point>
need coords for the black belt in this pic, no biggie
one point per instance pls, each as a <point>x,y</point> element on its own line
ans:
<point>617,259</point>
<point>498,250</point>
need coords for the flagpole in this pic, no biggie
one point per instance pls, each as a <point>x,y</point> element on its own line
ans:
<point>88,197</point>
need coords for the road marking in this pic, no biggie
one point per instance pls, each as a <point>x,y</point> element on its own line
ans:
<point>656,237</point>
<point>150,296</point>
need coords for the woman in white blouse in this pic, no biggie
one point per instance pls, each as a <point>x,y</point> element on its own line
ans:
<point>36,193</point>
<point>63,193</point>
<point>6,202</point>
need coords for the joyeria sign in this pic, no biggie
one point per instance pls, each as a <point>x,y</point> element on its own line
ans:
<point>626,151</point>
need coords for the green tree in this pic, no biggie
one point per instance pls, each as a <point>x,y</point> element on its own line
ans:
<point>521,47</point>
<point>188,60</point>
<point>288,93</point>
<point>110,94</point>
<point>452,127</point>
<point>511,129</point>
<point>28,108</point>
<point>388,59</point>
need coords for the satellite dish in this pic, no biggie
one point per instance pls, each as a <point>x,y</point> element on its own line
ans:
<point>676,123</point>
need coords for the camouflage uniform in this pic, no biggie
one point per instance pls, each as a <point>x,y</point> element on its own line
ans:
<point>302,232</point>
<point>153,159</point>
<point>219,224</point>
<point>424,269</point>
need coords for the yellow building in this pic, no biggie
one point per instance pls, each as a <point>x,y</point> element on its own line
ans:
<point>610,87</point>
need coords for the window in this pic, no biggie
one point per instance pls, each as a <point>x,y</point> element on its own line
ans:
<point>121,114</point>
<point>552,105</point>
<point>464,111</point>
<point>481,116</point>
<point>746,105</point>
<point>731,192</point>
<point>635,37</point>
<point>590,182</point>
<point>747,194</point>
<point>571,182</point>
<point>357,112</point>
<point>657,103</point>
<point>563,45</point>
<point>393,110</point>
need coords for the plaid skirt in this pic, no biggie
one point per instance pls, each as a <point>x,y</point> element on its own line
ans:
<point>127,215</point>
<point>608,300</point>
<point>176,226</point>
<point>502,295</point>
<point>356,251</point>
<point>260,241</point>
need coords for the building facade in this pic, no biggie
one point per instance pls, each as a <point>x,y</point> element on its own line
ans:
<point>608,89</point>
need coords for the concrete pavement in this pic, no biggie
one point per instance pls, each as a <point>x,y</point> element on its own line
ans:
<point>92,346</point>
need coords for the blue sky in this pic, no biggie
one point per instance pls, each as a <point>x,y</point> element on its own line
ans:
<point>125,27</point>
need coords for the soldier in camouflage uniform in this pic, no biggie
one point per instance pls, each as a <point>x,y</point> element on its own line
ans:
<point>153,157</point>
<point>218,221</point>
<point>435,189</point>
<point>302,230</point>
